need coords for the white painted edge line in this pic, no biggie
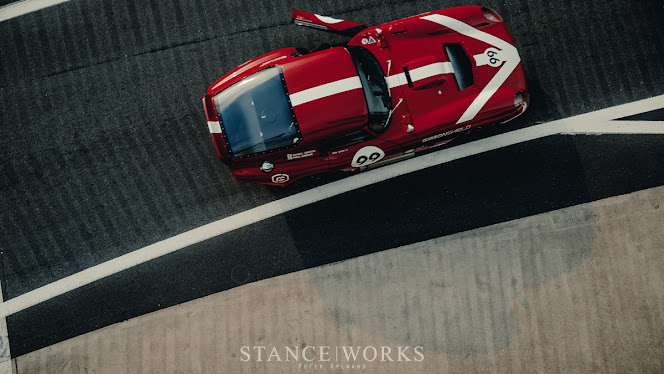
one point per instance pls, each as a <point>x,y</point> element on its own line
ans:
<point>20,8</point>
<point>5,353</point>
<point>599,122</point>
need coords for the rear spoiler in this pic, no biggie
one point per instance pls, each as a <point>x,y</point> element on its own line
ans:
<point>330,24</point>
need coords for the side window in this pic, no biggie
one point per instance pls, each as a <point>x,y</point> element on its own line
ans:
<point>345,141</point>
<point>376,92</point>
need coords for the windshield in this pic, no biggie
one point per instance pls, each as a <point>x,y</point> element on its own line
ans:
<point>256,115</point>
<point>374,85</point>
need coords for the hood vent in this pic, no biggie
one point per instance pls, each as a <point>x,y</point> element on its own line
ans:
<point>463,68</point>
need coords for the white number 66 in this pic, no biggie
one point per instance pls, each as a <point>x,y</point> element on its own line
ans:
<point>367,156</point>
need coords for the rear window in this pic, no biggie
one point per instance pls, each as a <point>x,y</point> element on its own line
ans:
<point>463,69</point>
<point>256,115</point>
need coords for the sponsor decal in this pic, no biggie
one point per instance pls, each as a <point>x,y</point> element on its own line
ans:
<point>371,40</point>
<point>339,151</point>
<point>367,156</point>
<point>280,178</point>
<point>331,357</point>
<point>295,156</point>
<point>438,136</point>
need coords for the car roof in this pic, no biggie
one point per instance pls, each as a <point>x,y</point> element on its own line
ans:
<point>325,92</point>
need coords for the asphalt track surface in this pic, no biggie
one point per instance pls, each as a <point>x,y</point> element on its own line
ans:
<point>105,147</point>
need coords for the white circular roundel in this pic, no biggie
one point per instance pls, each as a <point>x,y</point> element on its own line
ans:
<point>280,178</point>
<point>367,156</point>
<point>493,57</point>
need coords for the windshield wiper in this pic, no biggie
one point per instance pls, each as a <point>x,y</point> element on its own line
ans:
<point>262,142</point>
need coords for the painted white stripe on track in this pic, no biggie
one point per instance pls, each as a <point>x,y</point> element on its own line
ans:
<point>325,90</point>
<point>5,354</point>
<point>20,8</point>
<point>598,122</point>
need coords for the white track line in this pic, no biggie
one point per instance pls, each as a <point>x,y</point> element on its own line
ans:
<point>20,8</point>
<point>590,123</point>
<point>5,355</point>
<point>423,72</point>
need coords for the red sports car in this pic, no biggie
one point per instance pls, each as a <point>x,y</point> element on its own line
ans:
<point>391,91</point>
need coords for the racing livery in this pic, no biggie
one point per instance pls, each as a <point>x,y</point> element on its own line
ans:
<point>391,91</point>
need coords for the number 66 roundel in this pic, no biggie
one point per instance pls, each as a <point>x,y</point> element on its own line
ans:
<point>367,156</point>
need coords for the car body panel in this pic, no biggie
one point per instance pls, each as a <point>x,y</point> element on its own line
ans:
<point>447,71</point>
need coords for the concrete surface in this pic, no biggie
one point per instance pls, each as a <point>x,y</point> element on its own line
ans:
<point>576,290</point>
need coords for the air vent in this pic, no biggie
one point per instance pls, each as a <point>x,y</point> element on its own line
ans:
<point>463,68</point>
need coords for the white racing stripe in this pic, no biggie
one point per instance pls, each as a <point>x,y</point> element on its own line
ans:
<point>488,91</point>
<point>598,122</point>
<point>438,68</point>
<point>396,80</point>
<point>20,8</point>
<point>325,90</point>
<point>508,53</point>
<point>470,31</point>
